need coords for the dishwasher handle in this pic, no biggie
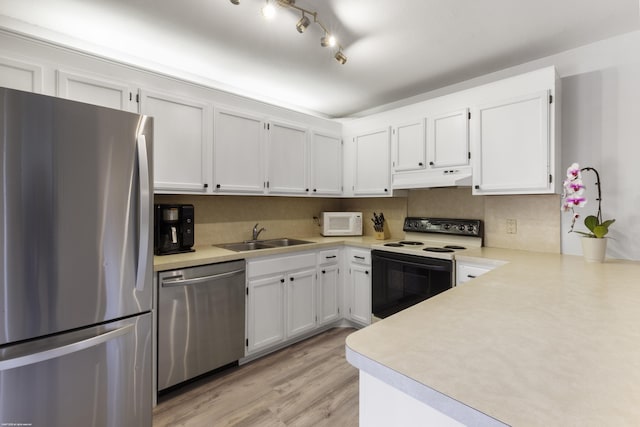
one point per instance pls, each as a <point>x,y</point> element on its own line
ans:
<point>181,281</point>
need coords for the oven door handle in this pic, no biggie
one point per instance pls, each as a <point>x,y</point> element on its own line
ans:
<point>415,264</point>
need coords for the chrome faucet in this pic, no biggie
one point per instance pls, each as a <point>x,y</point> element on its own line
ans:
<point>257,232</point>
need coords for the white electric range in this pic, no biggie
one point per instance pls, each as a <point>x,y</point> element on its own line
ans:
<point>421,265</point>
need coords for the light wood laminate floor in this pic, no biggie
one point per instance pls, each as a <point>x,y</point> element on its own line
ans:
<point>307,384</point>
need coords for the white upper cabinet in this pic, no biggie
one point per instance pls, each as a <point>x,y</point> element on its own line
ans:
<point>326,164</point>
<point>237,152</point>
<point>372,163</point>
<point>20,75</point>
<point>512,147</point>
<point>449,139</point>
<point>409,141</point>
<point>286,159</point>
<point>96,90</point>
<point>182,142</point>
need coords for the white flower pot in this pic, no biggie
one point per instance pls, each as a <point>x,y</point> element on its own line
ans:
<point>594,249</point>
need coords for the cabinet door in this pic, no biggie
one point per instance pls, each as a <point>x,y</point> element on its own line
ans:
<point>372,174</point>
<point>287,159</point>
<point>326,164</point>
<point>265,312</point>
<point>449,145</point>
<point>360,293</point>
<point>328,287</point>
<point>409,146</point>
<point>20,75</point>
<point>301,302</point>
<point>181,143</point>
<point>237,152</point>
<point>96,91</point>
<point>511,146</point>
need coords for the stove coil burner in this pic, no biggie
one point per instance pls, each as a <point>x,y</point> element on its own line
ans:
<point>438,250</point>
<point>411,243</point>
<point>394,245</point>
<point>454,247</point>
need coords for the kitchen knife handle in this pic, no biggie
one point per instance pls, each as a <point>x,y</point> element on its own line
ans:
<point>145,212</point>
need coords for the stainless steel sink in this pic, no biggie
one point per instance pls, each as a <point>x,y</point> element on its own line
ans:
<point>284,242</point>
<point>252,245</point>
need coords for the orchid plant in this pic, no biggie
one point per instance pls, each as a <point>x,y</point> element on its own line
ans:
<point>573,196</point>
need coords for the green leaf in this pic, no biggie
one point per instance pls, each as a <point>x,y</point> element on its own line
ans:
<point>600,231</point>
<point>591,222</point>
<point>608,222</point>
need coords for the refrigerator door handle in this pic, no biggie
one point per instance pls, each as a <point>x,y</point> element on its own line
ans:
<point>145,212</point>
<point>56,352</point>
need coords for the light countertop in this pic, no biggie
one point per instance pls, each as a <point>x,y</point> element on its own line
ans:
<point>208,254</point>
<point>544,339</point>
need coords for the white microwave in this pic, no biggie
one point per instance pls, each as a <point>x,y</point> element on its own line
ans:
<point>342,223</point>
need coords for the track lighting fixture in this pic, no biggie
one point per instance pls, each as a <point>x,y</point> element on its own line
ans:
<point>340,57</point>
<point>303,23</point>
<point>268,11</point>
<point>327,40</point>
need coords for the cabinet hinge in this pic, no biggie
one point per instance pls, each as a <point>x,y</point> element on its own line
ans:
<point>130,96</point>
<point>393,131</point>
<point>550,99</point>
<point>316,318</point>
<point>349,312</point>
<point>267,184</point>
<point>469,155</point>
<point>247,291</point>
<point>550,179</point>
<point>342,142</point>
<point>246,342</point>
<point>338,310</point>
<point>469,115</point>
<point>137,97</point>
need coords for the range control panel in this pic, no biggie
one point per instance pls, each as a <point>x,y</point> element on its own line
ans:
<point>460,227</point>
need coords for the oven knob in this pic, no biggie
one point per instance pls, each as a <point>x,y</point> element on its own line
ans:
<point>461,227</point>
<point>446,226</point>
<point>470,228</point>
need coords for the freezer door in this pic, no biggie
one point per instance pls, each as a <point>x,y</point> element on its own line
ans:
<point>76,215</point>
<point>97,376</point>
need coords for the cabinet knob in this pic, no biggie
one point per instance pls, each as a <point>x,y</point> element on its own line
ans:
<point>420,164</point>
<point>291,278</point>
<point>323,272</point>
<point>281,280</point>
<point>206,185</point>
<point>314,190</point>
<point>307,190</point>
<point>366,272</point>
<point>217,185</point>
<point>431,163</point>
<point>477,187</point>
<point>385,190</point>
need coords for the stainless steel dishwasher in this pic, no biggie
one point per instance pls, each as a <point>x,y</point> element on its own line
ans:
<point>201,312</point>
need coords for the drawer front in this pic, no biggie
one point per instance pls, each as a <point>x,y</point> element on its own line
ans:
<point>329,256</point>
<point>468,272</point>
<point>359,256</point>
<point>261,267</point>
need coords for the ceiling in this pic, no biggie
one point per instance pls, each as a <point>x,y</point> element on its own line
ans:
<point>395,48</point>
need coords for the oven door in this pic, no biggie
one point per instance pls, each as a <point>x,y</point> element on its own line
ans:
<point>400,280</point>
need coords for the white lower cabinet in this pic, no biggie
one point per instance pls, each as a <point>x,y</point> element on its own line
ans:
<point>281,299</point>
<point>329,287</point>
<point>358,286</point>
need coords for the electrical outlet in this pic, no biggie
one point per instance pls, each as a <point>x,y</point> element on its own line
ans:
<point>512,226</point>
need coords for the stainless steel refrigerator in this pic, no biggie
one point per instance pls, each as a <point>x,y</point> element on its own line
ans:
<point>75,263</point>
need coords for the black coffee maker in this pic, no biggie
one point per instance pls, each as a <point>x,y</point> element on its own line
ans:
<point>173,229</point>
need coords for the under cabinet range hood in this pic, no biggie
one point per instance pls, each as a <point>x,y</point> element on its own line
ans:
<point>453,177</point>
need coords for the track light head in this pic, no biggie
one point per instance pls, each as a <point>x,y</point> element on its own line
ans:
<point>268,11</point>
<point>340,57</point>
<point>327,40</point>
<point>303,23</point>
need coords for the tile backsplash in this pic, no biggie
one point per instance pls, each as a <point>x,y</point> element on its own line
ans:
<point>224,219</point>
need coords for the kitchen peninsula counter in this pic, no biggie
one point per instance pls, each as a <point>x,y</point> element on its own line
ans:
<point>209,254</point>
<point>544,339</point>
